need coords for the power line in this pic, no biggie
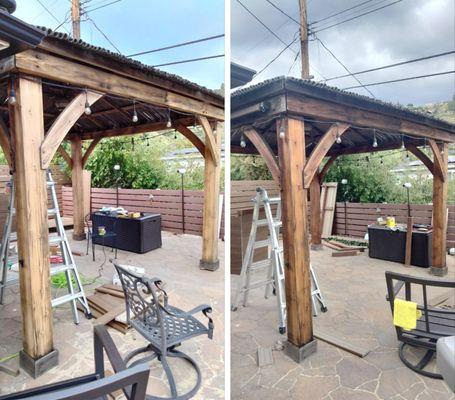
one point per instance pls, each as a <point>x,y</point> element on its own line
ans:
<point>105,36</point>
<point>102,6</point>
<point>189,60</point>
<point>264,25</point>
<point>278,55</point>
<point>283,12</point>
<point>353,18</point>
<point>341,12</point>
<point>176,45</point>
<point>50,13</point>
<point>401,80</point>
<point>392,65</point>
<point>344,66</point>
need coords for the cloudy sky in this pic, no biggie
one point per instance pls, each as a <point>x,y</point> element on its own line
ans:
<point>138,25</point>
<point>406,30</point>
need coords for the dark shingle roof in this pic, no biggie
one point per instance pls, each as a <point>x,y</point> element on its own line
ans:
<point>147,69</point>
<point>335,94</point>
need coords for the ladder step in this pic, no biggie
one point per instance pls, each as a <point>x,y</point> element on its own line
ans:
<point>56,239</point>
<point>257,265</point>
<point>262,243</point>
<point>57,268</point>
<point>65,299</point>
<point>274,200</point>
<point>50,183</point>
<point>259,284</point>
<point>264,222</point>
<point>51,212</point>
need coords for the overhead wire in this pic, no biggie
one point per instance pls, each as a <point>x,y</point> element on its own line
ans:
<point>401,79</point>
<point>51,14</point>
<point>342,11</point>
<point>104,35</point>
<point>392,65</point>
<point>188,60</point>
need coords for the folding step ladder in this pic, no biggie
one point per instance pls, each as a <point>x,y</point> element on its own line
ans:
<point>68,266</point>
<point>273,265</point>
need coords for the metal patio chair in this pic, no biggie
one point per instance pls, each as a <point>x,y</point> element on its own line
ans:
<point>110,234</point>
<point>435,323</point>
<point>133,381</point>
<point>165,327</point>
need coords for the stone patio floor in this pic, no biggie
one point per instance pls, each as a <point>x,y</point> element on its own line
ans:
<point>177,264</point>
<point>354,288</point>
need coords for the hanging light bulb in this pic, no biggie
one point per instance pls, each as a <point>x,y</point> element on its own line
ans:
<point>132,144</point>
<point>12,96</point>
<point>175,134</point>
<point>403,147</point>
<point>282,130</point>
<point>135,117</point>
<point>168,123</point>
<point>242,141</point>
<point>87,110</point>
<point>382,161</point>
<point>375,142</point>
<point>338,138</point>
<point>148,143</point>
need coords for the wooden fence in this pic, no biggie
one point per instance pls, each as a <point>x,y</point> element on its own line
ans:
<point>168,203</point>
<point>352,219</point>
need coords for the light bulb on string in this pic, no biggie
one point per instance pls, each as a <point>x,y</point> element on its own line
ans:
<point>403,147</point>
<point>338,140</point>
<point>375,142</point>
<point>87,110</point>
<point>147,140</point>
<point>242,141</point>
<point>175,134</point>
<point>12,96</point>
<point>135,117</point>
<point>168,123</point>
<point>282,130</point>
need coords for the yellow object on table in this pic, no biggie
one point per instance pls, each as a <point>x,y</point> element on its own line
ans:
<point>391,222</point>
<point>405,314</point>
<point>134,214</point>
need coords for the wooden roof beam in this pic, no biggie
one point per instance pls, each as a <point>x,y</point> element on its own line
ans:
<point>89,151</point>
<point>438,163</point>
<point>326,168</point>
<point>321,150</point>
<point>37,63</point>
<point>421,156</point>
<point>191,136</point>
<point>210,140</point>
<point>265,151</point>
<point>62,125</point>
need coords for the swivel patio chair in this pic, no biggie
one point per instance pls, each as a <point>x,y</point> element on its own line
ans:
<point>435,323</point>
<point>133,381</point>
<point>165,327</point>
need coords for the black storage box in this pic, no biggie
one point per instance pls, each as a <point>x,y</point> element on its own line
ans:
<point>390,245</point>
<point>138,235</point>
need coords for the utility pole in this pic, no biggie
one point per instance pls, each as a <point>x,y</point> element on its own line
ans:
<point>76,18</point>
<point>304,40</point>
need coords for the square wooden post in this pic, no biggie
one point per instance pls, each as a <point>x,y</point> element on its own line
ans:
<point>440,187</point>
<point>316,228</point>
<point>38,354</point>
<point>210,213</point>
<point>291,146</point>
<point>77,179</point>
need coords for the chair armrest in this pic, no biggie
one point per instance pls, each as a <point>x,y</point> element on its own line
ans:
<point>396,289</point>
<point>103,341</point>
<point>207,311</point>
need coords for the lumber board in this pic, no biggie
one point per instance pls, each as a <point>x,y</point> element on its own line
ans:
<point>348,253</point>
<point>110,315</point>
<point>340,343</point>
<point>111,292</point>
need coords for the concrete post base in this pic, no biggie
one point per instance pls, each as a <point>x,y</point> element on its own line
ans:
<point>37,367</point>
<point>438,271</point>
<point>209,265</point>
<point>317,247</point>
<point>298,354</point>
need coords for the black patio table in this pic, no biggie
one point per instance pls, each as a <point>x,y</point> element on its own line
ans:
<point>138,235</point>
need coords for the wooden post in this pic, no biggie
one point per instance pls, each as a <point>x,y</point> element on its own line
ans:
<point>38,354</point>
<point>78,189</point>
<point>291,145</point>
<point>316,227</point>
<point>210,214</point>
<point>440,187</point>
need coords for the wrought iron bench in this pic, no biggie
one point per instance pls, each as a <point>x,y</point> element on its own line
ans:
<point>435,323</point>
<point>165,327</point>
<point>133,381</point>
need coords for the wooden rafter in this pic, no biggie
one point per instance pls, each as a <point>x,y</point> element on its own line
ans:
<point>63,123</point>
<point>191,136</point>
<point>438,160</point>
<point>210,141</point>
<point>65,156</point>
<point>5,142</point>
<point>37,63</point>
<point>326,168</point>
<point>265,151</point>
<point>421,156</point>
<point>320,151</point>
<point>89,151</point>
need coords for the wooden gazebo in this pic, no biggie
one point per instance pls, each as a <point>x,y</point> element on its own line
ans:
<point>56,89</point>
<point>294,125</point>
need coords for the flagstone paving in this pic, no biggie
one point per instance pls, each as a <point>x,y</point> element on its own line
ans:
<point>354,288</point>
<point>177,264</point>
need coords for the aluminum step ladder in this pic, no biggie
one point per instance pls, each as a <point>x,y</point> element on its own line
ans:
<point>68,266</point>
<point>274,264</point>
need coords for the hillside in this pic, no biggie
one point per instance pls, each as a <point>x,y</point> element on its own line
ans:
<point>444,110</point>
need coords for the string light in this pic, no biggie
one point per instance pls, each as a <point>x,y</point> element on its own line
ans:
<point>12,96</point>
<point>87,110</point>
<point>375,142</point>
<point>132,144</point>
<point>282,130</point>
<point>175,134</point>
<point>382,161</point>
<point>135,117</point>
<point>169,122</point>
<point>403,147</point>
<point>242,141</point>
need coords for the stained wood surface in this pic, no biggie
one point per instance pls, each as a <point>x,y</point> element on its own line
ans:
<point>295,233</point>
<point>78,186</point>
<point>328,200</point>
<point>31,211</point>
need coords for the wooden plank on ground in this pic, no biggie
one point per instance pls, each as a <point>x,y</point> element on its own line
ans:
<point>348,253</point>
<point>340,343</point>
<point>110,315</point>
